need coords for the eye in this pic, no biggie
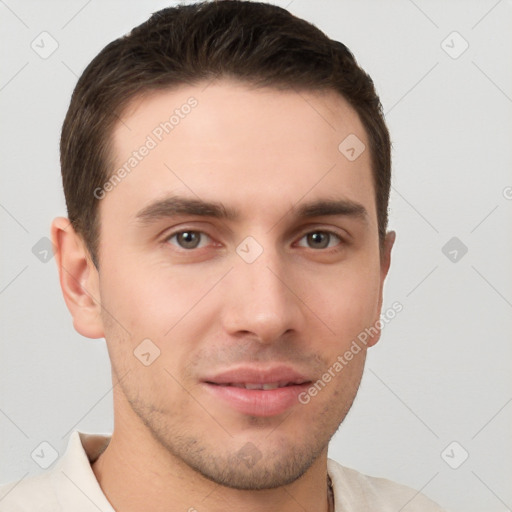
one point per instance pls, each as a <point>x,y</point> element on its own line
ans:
<point>320,240</point>
<point>188,239</point>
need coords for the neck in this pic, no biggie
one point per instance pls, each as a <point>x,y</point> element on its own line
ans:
<point>137,473</point>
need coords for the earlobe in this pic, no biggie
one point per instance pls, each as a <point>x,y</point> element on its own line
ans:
<point>79,279</point>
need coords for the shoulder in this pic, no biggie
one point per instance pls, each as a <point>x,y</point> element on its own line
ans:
<point>354,489</point>
<point>33,494</point>
<point>69,485</point>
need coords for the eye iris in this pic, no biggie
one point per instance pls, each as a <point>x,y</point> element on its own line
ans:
<point>318,240</point>
<point>188,239</point>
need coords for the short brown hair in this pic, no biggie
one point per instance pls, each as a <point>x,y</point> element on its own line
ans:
<point>252,42</point>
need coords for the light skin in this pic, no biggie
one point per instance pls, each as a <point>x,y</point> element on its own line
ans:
<point>269,159</point>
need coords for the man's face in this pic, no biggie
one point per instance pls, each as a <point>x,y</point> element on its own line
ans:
<point>264,287</point>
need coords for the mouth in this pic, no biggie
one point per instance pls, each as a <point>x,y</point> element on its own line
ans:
<point>258,391</point>
<point>260,386</point>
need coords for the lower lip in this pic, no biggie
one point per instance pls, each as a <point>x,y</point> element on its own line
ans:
<point>258,402</point>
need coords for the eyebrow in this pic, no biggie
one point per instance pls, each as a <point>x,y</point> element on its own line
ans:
<point>174,206</point>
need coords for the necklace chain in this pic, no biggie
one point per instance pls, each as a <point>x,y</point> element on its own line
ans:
<point>330,494</point>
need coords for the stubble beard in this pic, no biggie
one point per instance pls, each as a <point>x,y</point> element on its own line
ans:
<point>274,460</point>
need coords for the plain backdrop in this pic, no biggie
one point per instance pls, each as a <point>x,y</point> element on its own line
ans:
<point>435,406</point>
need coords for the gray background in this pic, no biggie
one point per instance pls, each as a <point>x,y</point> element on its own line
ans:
<point>441,372</point>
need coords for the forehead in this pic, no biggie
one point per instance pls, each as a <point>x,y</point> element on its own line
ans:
<point>253,147</point>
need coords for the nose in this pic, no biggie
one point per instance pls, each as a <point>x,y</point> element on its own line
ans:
<point>263,302</point>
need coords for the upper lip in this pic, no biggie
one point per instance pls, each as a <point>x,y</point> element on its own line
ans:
<point>258,375</point>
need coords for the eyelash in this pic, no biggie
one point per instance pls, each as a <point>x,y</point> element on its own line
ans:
<point>323,231</point>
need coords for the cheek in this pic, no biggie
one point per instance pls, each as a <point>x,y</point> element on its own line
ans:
<point>173,308</point>
<point>347,301</point>
<point>150,300</point>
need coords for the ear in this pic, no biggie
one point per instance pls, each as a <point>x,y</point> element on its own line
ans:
<point>385,262</point>
<point>79,279</point>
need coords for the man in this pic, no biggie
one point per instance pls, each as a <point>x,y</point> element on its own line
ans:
<point>226,168</point>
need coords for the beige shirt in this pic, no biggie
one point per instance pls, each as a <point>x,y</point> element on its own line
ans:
<point>70,486</point>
